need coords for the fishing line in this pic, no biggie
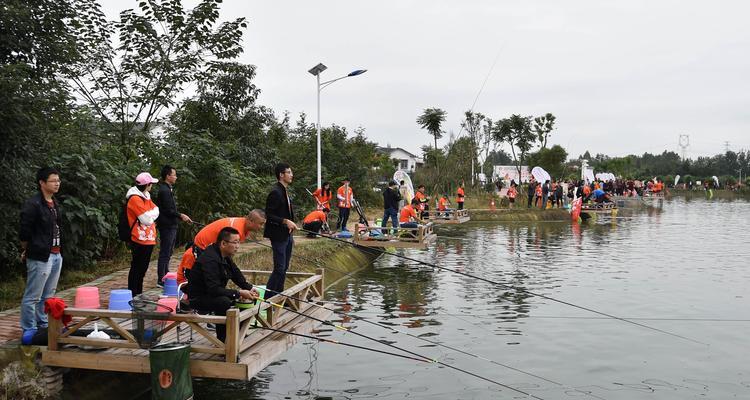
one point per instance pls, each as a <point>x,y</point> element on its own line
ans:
<point>324,340</point>
<point>507,287</point>
<point>394,330</point>
<point>424,358</point>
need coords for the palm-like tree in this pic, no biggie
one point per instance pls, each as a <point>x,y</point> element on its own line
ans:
<point>432,119</point>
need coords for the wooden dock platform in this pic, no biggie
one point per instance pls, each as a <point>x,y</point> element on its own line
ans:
<point>600,208</point>
<point>404,238</point>
<point>247,350</point>
<point>450,217</point>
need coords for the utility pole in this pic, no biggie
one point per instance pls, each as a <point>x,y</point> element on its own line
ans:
<point>726,146</point>
<point>684,142</point>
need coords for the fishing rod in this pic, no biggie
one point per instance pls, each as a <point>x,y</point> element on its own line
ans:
<point>424,358</point>
<point>507,287</point>
<point>341,343</point>
<point>440,344</point>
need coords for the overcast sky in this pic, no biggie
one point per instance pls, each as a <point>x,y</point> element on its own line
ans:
<point>622,77</point>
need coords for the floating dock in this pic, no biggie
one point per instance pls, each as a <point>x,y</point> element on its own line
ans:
<point>600,208</point>
<point>404,238</point>
<point>247,350</point>
<point>450,217</point>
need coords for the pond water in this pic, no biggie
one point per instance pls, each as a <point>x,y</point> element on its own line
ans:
<point>682,270</point>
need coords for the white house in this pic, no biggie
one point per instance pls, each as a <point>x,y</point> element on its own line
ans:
<point>406,161</point>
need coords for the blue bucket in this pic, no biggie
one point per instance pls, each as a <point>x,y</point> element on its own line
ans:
<point>170,287</point>
<point>119,299</point>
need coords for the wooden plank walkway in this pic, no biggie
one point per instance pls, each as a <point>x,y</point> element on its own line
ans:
<point>248,347</point>
<point>405,238</point>
<point>10,329</point>
<point>450,217</point>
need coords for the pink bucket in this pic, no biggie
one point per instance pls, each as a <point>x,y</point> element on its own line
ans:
<point>170,302</point>
<point>87,297</point>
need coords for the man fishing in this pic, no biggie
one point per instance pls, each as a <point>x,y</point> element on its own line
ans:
<point>210,275</point>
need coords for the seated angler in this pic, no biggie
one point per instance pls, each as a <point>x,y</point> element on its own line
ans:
<point>211,273</point>
<point>409,217</point>
<point>600,196</point>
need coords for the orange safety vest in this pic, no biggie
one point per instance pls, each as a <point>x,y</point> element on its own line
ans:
<point>347,196</point>
<point>422,200</point>
<point>442,204</point>
<point>406,213</point>
<point>314,216</point>
<point>460,195</point>
<point>323,197</point>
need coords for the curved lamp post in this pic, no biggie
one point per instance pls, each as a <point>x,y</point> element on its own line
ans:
<point>316,70</point>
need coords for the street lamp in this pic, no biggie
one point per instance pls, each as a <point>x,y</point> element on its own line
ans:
<point>316,70</point>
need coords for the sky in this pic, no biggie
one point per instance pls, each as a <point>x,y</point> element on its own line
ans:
<point>622,77</point>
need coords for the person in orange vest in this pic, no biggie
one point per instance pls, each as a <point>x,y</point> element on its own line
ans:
<point>314,222</point>
<point>460,195</point>
<point>512,193</point>
<point>253,222</point>
<point>142,214</point>
<point>345,196</point>
<point>443,204</point>
<point>323,196</point>
<point>423,202</point>
<point>408,217</point>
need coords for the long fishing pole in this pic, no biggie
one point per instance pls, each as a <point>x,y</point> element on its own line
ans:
<point>424,358</point>
<point>440,344</point>
<point>507,287</point>
<point>341,343</point>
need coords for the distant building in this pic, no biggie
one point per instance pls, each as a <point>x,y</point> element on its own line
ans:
<point>510,172</point>
<point>404,160</point>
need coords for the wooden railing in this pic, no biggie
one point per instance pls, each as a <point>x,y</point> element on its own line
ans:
<point>238,323</point>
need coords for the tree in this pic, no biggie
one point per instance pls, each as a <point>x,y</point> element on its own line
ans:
<point>543,126</point>
<point>552,160</point>
<point>516,131</point>
<point>432,119</point>
<point>478,126</point>
<point>160,50</point>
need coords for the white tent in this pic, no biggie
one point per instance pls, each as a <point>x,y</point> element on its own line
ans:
<point>540,174</point>
<point>403,176</point>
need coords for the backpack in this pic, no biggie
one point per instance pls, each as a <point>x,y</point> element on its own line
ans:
<point>124,230</point>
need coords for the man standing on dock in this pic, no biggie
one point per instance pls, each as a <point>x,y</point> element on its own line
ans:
<point>345,195</point>
<point>279,227</point>
<point>167,221</point>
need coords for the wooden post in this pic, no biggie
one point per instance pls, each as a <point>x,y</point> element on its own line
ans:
<point>53,332</point>
<point>320,285</point>
<point>232,341</point>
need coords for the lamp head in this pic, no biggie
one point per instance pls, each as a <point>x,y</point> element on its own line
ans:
<point>357,72</point>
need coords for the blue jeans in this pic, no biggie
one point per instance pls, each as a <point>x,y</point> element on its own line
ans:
<point>168,237</point>
<point>282,255</point>
<point>393,214</point>
<point>41,282</point>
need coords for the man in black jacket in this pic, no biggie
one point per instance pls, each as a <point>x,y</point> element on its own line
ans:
<point>279,228</point>
<point>532,190</point>
<point>40,235</point>
<point>167,221</point>
<point>210,274</point>
<point>391,198</point>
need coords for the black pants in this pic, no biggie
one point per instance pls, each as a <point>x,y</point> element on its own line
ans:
<point>138,266</point>
<point>531,199</point>
<point>343,218</point>
<point>168,237</point>
<point>460,205</point>
<point>282,254</point>
<point>313,227</point>
<point>217,305</point>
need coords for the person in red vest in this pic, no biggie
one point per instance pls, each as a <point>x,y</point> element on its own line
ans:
<point>142,214</point>
<point>443,204</point>
<point>408,217</point>
<point>345,196</point>
<point>314,222</point>
<point>253,222</point>
<point>423,202</point>
<point>460,195</point>
<point>323,196</point>
<point>512,193</point>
